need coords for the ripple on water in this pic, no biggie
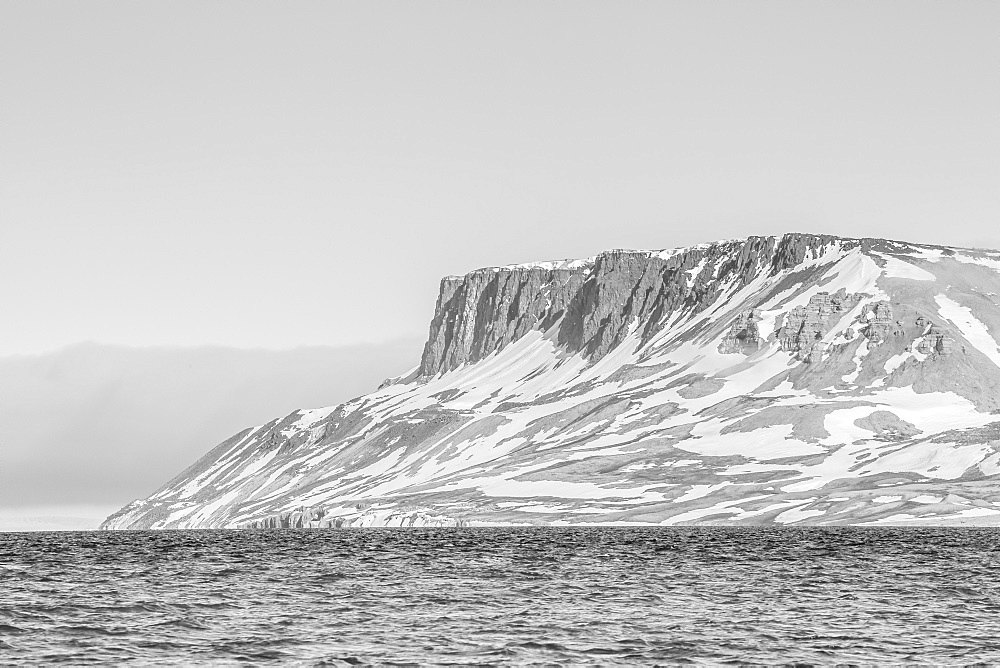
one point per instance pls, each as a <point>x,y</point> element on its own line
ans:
<point>569,595</point>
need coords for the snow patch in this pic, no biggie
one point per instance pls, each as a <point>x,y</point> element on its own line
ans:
<point>898,268</point>
<point>797,514</point>
<point>972,329</point>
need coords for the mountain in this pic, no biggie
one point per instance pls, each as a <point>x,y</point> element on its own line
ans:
<point>801,379</point>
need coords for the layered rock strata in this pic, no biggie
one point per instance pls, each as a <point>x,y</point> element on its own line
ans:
<point>592,304</point>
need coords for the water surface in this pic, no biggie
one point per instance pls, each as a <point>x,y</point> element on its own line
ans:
<point>502,596</point>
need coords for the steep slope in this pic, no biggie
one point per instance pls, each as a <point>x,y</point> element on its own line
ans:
<point>798,379</point>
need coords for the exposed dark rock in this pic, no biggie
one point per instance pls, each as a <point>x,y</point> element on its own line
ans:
<point>805,326</point>
<point>593,305</point>
<point>880,322</point>
<point>888,426</point>
<point>743,336</point>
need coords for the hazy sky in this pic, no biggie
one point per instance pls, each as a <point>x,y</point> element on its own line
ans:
<point>86,430</point>
<point>274,174</point>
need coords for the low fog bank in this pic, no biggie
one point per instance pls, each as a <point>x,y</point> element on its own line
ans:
<point>96,425</point>
<point>54,518</point>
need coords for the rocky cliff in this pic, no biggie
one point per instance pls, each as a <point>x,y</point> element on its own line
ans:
<point>591,303</point>
<point>793,379</point>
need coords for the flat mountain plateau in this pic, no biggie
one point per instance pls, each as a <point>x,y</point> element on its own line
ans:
<point>801,379</point>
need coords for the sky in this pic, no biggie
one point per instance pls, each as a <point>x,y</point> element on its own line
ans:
<point>265,176</point>
<point>272,174</point>
<point>85,430</point>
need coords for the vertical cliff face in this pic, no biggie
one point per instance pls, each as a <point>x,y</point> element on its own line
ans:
<point>486,310</point>
<point>592,304</point>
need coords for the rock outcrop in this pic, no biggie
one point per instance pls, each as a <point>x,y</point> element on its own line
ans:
<point>937,340</point>
<point>878,323</point>
<point>744,335</point>
<point>806,326</point>
<point>317,518</point>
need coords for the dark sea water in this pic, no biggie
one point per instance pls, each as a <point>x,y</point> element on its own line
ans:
<point>502,596</point>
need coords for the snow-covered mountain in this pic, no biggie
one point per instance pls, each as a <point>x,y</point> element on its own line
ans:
<point>796,379</point>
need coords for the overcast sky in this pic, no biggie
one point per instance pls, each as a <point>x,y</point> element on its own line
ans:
<point>274,174</point>
<point>270,175</point>
<point>87,429</point>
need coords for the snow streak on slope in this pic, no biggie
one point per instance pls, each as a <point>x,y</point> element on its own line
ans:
<point>788,380</point>
<point>974,331</point>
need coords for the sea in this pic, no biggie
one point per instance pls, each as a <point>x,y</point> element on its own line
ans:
<point>502,596</point>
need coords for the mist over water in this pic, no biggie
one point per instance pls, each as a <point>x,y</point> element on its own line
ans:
<point>512,595</point>
<point>100,425</point>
